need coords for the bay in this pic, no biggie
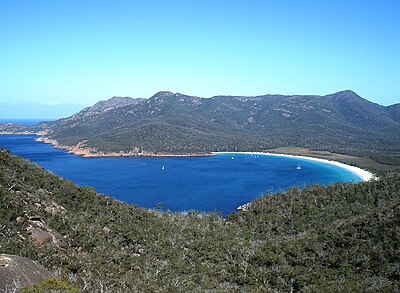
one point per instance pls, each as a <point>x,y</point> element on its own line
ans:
<point>213,183</point>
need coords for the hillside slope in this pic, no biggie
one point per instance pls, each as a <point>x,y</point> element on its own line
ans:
<point>344,237</point>
<point>176,123</point>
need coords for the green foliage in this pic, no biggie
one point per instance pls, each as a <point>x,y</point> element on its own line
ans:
<point>51,285</point>
<point>174,123</point>
<point>344,237</point>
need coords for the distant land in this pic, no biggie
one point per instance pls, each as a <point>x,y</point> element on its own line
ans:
<point>177,124</point>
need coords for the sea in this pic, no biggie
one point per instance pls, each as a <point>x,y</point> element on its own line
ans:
<point>219,183</point>
<point>27,122</point>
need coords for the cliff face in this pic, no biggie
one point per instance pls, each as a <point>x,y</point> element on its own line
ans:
<point>17,272</point>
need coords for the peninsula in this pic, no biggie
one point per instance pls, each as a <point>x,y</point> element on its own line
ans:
<point>174,124</point>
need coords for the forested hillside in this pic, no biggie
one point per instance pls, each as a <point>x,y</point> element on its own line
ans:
<point>340,238</point>
<point>174,123</point>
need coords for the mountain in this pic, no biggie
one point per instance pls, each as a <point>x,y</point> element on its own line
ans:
<point>93,111</point>
<point>394,112</point>
<point>104,106</point>
<point>176,123</point>
<point>317,239</point>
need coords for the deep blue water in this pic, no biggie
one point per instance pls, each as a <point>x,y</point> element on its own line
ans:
<point>215,183</point>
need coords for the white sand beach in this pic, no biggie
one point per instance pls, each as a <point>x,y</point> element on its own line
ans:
<point>363,174</point>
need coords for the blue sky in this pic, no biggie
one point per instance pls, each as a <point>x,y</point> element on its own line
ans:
<point>59,56</point>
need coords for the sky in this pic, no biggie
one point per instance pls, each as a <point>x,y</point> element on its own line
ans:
<point>57,57</point>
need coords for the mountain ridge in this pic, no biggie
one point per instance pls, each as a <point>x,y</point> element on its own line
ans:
<point>175,123</point>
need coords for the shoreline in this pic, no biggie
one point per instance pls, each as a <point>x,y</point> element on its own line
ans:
<point>93,153</point>
<point>364,175</point>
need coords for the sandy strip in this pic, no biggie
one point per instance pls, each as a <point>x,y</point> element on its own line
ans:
<point>363,174</point>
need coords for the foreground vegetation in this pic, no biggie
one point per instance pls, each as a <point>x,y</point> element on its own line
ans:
<point>344,237</point>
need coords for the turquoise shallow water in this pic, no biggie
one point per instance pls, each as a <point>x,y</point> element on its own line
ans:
<point>214,183</point>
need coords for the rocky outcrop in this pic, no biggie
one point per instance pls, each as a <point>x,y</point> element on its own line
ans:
<point>42,234</point>
<point>245,207</point>
<point>44,237</point>
<point>17,272</point>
